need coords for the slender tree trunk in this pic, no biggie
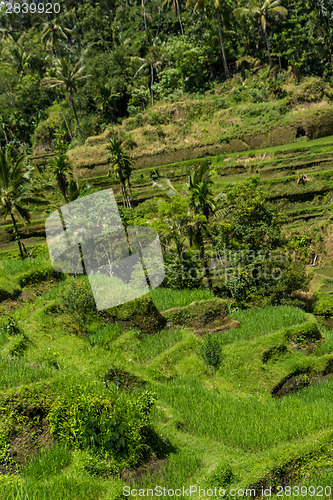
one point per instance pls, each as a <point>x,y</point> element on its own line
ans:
<point>17,235</point>
<point>204,260</point>
<point>130,190</point>
<point>266,41</point>
<point>62,186</point>
<point>224,59</point>
<point>123,194</point>
<point>75,114</point>
<point>144,14</point>
<point>151,84</point>
<point>179,18</point>
<point>64,117</point>
<point>58,97</point>
<point>268,49</point>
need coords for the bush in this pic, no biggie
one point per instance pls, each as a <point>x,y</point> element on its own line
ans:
<point>77,298</point>
<point>11,326</point>
<point>323,305</point>
<point>114,429</point>
<point>303,334</point>
<point>211,352</point>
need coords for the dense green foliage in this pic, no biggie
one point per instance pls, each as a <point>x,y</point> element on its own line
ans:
<point>114,58</point>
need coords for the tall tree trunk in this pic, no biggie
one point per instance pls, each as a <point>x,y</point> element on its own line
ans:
<point>127,199</point>
<point>75,114</point>
<point>224,59</point>
<point>58,97</point>
<point>151,84</point>
<point>64,117</point>
<point>144,14</point>
<point>130,190</point>
<point>204,259</point>
<point>266,41</point>
<point>179,17</point>
<point>17,234</point>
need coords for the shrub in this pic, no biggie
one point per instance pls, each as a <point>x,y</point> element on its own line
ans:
<point>77,297</point>
<point>211,352</point>
<point>323,305</point>
<point>114,429</point>
<point>303,334</point>
<point>11,326</point>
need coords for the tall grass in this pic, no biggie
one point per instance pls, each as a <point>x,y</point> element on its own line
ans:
<point>15,371</point>
<point>262,321</point>
<point>47,463</point>
<point>152,345</point>
<point>13,266</point>
<point>175,472</point>
<point>247,421</point>
<point>166,298</point>
<point>327,346</point>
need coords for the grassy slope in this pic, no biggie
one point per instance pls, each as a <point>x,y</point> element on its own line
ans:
<point>235,117</point>
<point>228,419</point>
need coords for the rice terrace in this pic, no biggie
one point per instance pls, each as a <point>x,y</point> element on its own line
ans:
<point>190,353</point>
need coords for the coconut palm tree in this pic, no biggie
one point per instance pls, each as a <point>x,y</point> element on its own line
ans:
<point>76,187</point>
<point>153,60</point>
<point>67,76</point>
<point>122,167</point>
<point>63,173</point>
<point>261,9</point>
<point>201,202</point>
<point>15,52</point>
<point>201,195</point>
<point>14,176</point>
<point>202,4</point>
<point>176,9</point>
<point>52,33</point>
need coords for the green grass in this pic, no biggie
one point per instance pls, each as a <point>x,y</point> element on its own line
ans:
<point>153,345</point>
<point>249,422</point>
<point>263,321</point>
<point>14,372</point>
<point>165,298</point>
<point>48,463</point>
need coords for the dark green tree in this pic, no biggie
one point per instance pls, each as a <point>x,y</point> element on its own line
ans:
<point>122,167</point>
<point>14,177</point>
<point>67,76</point>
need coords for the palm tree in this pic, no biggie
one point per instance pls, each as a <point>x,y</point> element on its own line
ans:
<point>76,187</point>
<point>52,33</point>
<point>153,60</point>
<point>67,76</point>
<point>105,98</point>
<point>201,195</point>
<point>176,9</point>
<point>122,167</point>
<point>63,172</point>
<point>13,179</point>
<point>201,4</point>
<point>201,204</point>
<point>261,9</point>
<point>19,58</point>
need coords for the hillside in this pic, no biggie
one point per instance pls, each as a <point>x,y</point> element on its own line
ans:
<point>179,152</point>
